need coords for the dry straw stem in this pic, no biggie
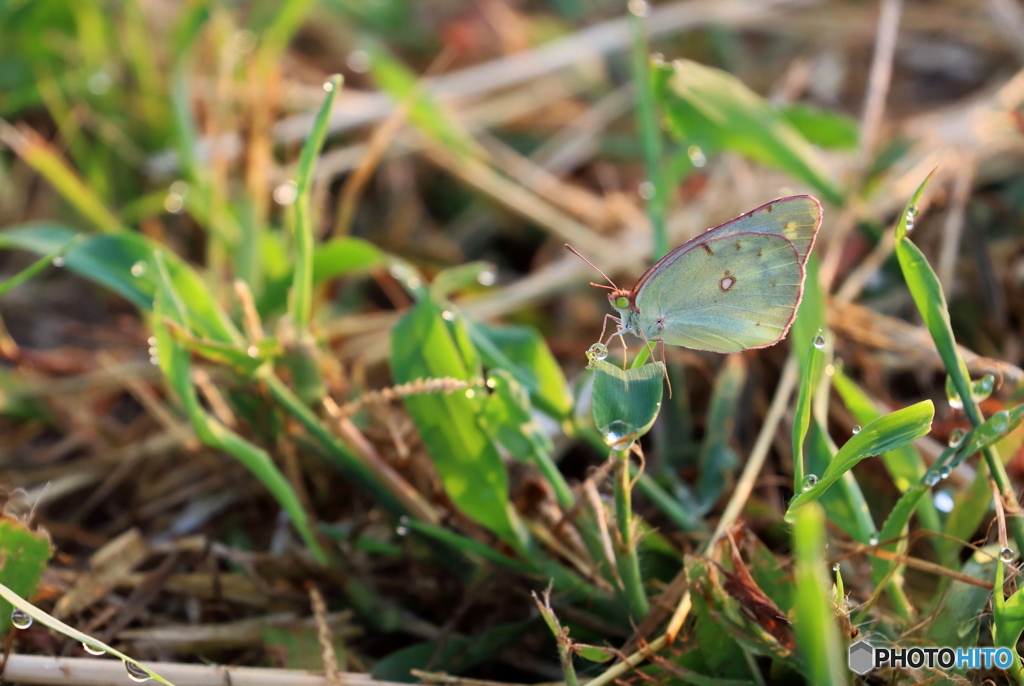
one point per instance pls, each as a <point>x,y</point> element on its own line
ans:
<point>34,669</point>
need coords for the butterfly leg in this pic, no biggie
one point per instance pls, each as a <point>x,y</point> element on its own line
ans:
<point>604,325</point>
<point>664,365</point>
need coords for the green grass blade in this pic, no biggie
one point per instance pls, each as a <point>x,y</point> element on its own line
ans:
<point>816,632</point>
<point>904,465</point>
<point>802,417</point>
<point>36,267</point>
<point>301,301</point>
<point>930,300</point>
<point>650,133</point>
<point>175,363</point>
<point>885,433</point>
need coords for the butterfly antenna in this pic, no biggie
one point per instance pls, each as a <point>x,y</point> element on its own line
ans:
<point>576,252</point>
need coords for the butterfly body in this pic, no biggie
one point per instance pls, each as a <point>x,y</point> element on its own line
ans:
<point>734,287</point>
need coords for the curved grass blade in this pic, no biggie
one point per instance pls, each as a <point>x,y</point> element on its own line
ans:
<point>301,300</point>
<point>44,618</point>
<point>36,267</point>
<point>930,300</point>
<point>885,433</point>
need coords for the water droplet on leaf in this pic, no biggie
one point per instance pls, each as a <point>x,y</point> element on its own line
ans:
<point>931,478</point>
<point>618,434</point>
<point>810,481</point>
<point>136,673</point>
<point>835,567</point>
<point>912,213</point>
<point>1007,555</point>
<point>873,539</point>
<point>20,619</point>
<point>819,342</point>
<point>944,471</point>
<point>138,269</point>
<point>952,396</point>
<point>956,437</point>
<point>59,261</point>
<point>855,429</point>
<point>696,155</point>
<point>999,420</point>
<point>487,277</point>
<point>93,650</point>
<point>448,316</point>
<point>598,351</point>
<point>403,526</point>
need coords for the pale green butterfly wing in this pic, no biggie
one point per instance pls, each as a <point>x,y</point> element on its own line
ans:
<point>795,218</point>
<point>728,294</point>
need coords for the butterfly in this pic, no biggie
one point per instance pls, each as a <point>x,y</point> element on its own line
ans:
<point>734,287</point>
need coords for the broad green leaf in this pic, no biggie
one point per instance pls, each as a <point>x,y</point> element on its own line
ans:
<point>815,623</point>
<point>341,256</point>
<point>24,553</point>
<point>124,262</point>
<point>714,110</point>
<point>823,127</point>
<point>626,401</point>
<point>522,351</point>
<point>423,346</point>
<point>885,433</point>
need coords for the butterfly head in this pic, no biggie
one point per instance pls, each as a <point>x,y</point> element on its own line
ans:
<point>620,299</point>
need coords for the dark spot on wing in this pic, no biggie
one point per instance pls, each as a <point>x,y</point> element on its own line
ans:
<point>773,284</point>
<point>737,244</point>
<point>757,324</point>
<point>759,252</point>
<point>706,248</point>
<point>769,209</point>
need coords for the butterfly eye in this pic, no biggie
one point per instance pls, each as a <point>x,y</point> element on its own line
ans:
<point>621,302</point>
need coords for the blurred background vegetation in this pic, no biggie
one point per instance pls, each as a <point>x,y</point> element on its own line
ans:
<point>299,361</point>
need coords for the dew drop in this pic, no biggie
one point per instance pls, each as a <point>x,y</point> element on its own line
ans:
<point>491,383</point>
<point>59,261</point>
<point>618,434</point>
<point>136,673</point>
<point>92,650</point>
<point>99,83</point>
<point>358,61</point>
<point>638,8</point>
<point>944,471</point>
<point>487,277</point>
<point>20,619</point>
<point>252,351</point>
<point>952,396</point>
<point>810,481</point>
<point>999,420</point>
<point>658,60</point>
<point>286,193</point>
<point>856,429</point>
<point>873,539</point>
<point>1007,555</point>
<point>956,437</point>
<point>448,316</point>
<point>819,342</point>
<point>835,567</point>
<point>598,351</point>
<point>328,86</point>
<point>943,502</point>
<point>983,387</point>
<point>152,341</point>
<point>470,393</point>
<point>138,269</point>
<point>403,526</point>
<point>931,477</point>
<point>174,203</point>
<point>696,155</point>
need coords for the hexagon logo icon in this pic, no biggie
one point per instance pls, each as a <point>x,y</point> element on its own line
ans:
<point>862,657</point>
